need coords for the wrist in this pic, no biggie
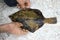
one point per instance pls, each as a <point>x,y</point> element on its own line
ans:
<point>3,28</point>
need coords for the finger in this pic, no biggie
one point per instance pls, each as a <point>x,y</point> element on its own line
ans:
<point>15,24</point>
<point>27,3</point>
<point>19,24</point>
<point>25,30</point>
<point>18,6</point>
<point>24,33</point>
<point>21,32</point>
<point>17,31</point>
<point>21,3</point>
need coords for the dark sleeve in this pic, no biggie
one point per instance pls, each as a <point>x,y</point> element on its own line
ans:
<point>11,3</point>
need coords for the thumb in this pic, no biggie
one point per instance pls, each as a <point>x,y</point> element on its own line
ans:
<point>18,24</point>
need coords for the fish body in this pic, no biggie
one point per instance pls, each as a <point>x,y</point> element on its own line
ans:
<point>32,19</point>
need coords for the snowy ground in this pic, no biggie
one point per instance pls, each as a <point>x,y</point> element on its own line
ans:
<point>49,8</point>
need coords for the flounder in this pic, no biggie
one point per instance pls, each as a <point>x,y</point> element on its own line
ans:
<point>32,19</point>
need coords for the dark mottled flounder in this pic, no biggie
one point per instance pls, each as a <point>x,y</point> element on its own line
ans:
<point>32,19</point>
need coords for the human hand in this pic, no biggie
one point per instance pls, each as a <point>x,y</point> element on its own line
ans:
<point>14,28</point>
<point>23,4</point>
